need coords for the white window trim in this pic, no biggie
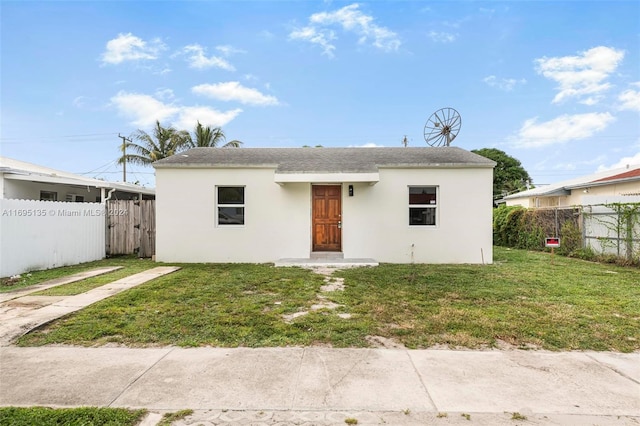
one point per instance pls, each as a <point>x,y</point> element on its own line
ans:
<point>218,205</point>
<point>429,206</point>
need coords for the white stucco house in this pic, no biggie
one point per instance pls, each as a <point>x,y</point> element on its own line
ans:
<point>397,205</point>
<point>622,182</point>
<point>20,180</point>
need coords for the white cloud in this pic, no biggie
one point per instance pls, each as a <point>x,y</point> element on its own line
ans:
<point>80,101</point>
<point>321,37</point>
<point>624,162</point>
<point>228,50</point>
<point>143,110</point>
<point>505,84</point>
<point>367,145</point>
<point>561,129</point>
<point>583,76</point>
<point>189,116</point>
<point>86,103</point>
<point>266,35</point>
<point>234,91</point>
<point>127,47</point>
<point>350,19</point>
<point>198,59</point>
<point>163,71</point>
<point>630,98</point>
<point>164,94</point>
<point>442,37</point>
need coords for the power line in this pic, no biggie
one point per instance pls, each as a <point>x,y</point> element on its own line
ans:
<point>110,163</point>
<point>57,137</point>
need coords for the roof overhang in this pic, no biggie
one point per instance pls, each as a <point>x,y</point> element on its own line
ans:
<point>604,183</point>
<point>370,178</point>
<point>555,193</point>
<point>533,193</point>
<point>92,183</point>
<point>55,179</point>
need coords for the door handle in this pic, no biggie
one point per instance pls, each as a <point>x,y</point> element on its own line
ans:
<point>339,224</point>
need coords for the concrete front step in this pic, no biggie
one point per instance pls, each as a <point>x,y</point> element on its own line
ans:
<point>327,255</point>
<point>329,263</point>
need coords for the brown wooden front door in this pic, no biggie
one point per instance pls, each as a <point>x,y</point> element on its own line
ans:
<point>327,216</point>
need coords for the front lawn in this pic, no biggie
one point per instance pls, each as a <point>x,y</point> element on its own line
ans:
<point>520,300</point>
<point>85,416</point>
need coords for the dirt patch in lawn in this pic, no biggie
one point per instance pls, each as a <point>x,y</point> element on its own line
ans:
<point>383,343</point>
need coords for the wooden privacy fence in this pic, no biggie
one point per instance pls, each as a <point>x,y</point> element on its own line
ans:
<point>131,227</point>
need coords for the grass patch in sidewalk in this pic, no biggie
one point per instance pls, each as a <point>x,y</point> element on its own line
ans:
<point>130,266</point>
<point>520,301</point>
<point>85,416</point>
<point>36,277</point>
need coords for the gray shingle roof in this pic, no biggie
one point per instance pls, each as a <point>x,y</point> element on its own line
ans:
<point>325,160</point>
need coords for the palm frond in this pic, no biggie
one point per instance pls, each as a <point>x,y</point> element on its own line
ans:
<point>233,144</point>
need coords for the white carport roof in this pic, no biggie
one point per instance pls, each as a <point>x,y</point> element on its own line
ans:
<point>564,187</point>
<point>20,170</point>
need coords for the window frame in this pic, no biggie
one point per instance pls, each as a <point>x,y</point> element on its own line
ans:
<point>431,206</point>
<point>50,195</point>
<point>219,205</point>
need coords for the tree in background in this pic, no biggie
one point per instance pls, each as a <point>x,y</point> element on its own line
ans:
<point>146,148</point>
<point>208,137</point>
<point>508,176</point>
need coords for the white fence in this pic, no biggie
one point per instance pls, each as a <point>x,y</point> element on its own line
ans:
<point>608,230</point>
<point>37,235</point>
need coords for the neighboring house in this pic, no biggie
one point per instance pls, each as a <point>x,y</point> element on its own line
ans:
<point>623,182</point>
<point>21,180</point>
<point>399,205</point>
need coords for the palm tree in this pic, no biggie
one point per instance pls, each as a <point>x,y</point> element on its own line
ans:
<point>208,137</point>
<point>163,142</point>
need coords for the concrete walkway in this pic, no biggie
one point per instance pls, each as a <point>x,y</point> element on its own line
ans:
<point>326,386</point>
<point>19,315</point>
<point>10,295</point>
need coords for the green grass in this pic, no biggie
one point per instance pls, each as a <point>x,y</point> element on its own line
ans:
<point>86,416</point>
<point>129,267</point>
<point>169,418</point>
<point>521,299</point>
<point>37,277</point>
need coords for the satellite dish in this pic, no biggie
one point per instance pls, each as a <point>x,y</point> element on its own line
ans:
<point>442,127</point>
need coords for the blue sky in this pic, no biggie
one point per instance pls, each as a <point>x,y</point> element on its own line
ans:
<point>554,84</point>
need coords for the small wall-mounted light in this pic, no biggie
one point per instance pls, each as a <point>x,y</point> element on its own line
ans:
<point>586,191</point>
<point>350,190</point>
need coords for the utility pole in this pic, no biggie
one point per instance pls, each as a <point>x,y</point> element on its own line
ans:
<point>124,156</point>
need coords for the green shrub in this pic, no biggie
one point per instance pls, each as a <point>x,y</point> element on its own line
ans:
<point>500,215</point>
<point>513,227</point>
<point>570,239</point>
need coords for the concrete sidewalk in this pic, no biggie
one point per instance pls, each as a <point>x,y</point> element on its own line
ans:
<point>326,386</point>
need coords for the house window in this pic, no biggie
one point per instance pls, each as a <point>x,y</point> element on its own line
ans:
<point>48,196</point>
<point>423,202</point>
<point>230,201</point>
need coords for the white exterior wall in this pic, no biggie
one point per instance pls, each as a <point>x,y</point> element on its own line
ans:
<point>278,218</point>
<point>37,235</point>
<point>26,190</point>
<point>523,202</point>
<point>578,196</point>
<point>376,218</point>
